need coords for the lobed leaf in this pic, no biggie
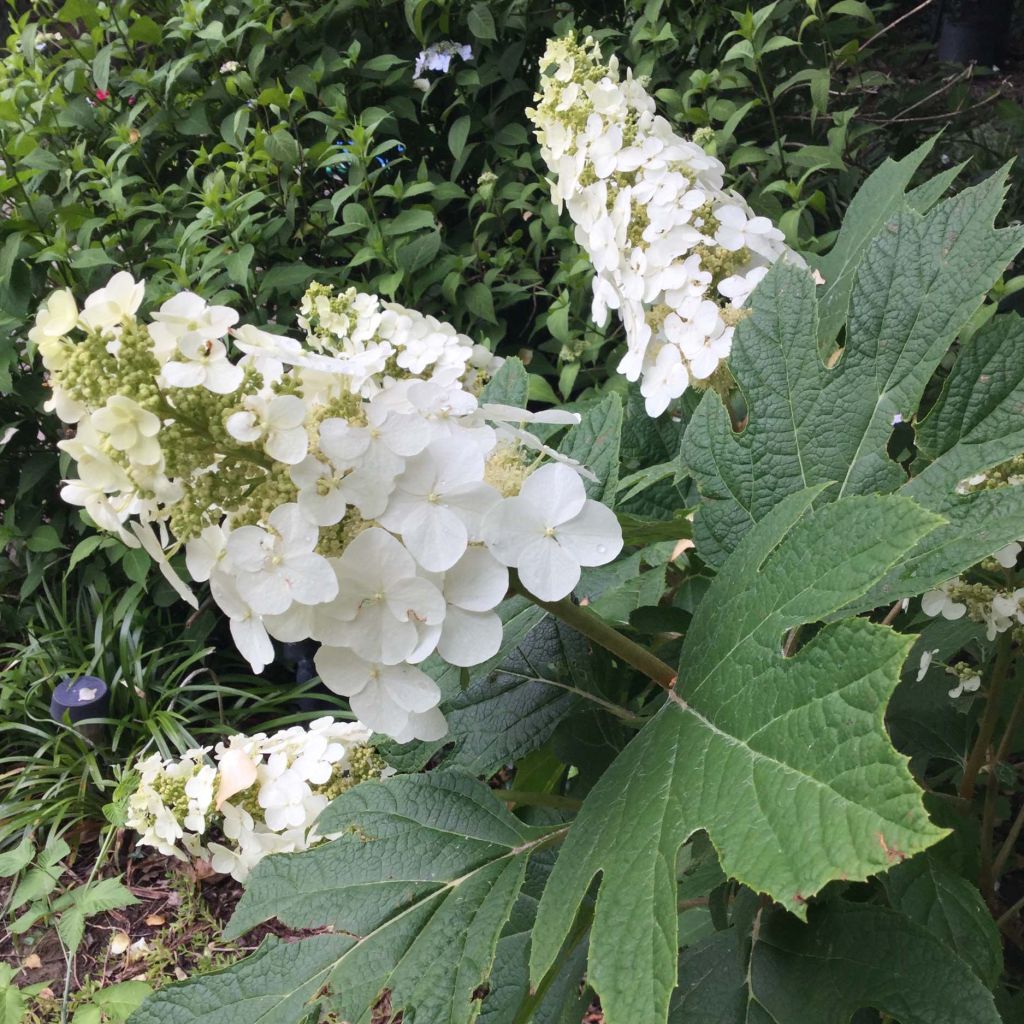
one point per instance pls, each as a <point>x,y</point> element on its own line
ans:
<point>919,283</point>
<point>881,196</point>
<point>783,761</point>
<point>925,890</point>
<point>423,864</point>
<point>977,423</point>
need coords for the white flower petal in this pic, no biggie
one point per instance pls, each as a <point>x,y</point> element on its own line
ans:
<point>222,377</point>
<point>555,491</point>
<point>594,537</point>
<point>435,536</point>
<point>547,570</point>
<point>469,638</point>
<point>341,671</point>
<point>477,582</point>
<point>410,687</point>
<point>511,526</point>
<point>183,375</point>
<point>252,642</point>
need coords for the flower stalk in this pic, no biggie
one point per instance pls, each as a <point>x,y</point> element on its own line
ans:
<point>592,626</point>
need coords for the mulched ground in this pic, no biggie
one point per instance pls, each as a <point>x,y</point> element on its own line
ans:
<point>171,933</point>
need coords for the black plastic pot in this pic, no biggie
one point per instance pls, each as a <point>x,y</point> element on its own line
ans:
<point>975,31</point>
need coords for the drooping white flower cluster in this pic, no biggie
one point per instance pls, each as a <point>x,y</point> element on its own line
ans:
<point>349,488</point>
<point>967,677</point>
<point>998,609</point>
<point>674,253</point>
<point>262,796</point>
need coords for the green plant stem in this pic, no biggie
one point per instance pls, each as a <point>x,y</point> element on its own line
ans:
<point>976,758</point>
<point>986,879</point>
<point>1003,750</point>
<point>999,864</point>
<point>591,625</point>
<point>770,103</point>
<point>1009,845</point>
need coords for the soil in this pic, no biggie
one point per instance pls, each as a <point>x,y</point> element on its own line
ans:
<point>171,933</point>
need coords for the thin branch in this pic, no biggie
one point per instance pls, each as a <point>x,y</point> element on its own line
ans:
<point>892,24</point>
<point>890,615</point>
<point>1010,844</point>
<point>987,875</point>
<point>945,87</point>
<point>933,117</point>
<point>1005,919</point>
<point>976,758</point>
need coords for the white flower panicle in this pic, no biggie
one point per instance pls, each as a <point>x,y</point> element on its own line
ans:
<point>674,253</point>
<point>348,488</point>
<point>262,795</point>
<point>997,608</point>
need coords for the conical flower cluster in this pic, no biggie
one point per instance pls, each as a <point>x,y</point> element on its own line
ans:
<point>349,488</point>
<point>673,252</point>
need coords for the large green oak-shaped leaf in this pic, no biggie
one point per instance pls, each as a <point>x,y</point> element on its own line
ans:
<point>846,958</point>
<point>918,284</point>
<point>417,890</point>
<point>783,761</point>
<point>509,999</point>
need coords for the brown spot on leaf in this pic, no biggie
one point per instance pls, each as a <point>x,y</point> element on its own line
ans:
<point>892,853</point>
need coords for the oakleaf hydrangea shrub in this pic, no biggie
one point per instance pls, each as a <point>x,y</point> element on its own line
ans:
<point>673,253</point>
<point>706,642</point>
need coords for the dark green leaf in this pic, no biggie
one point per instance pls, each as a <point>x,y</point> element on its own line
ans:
<point>594,442</point>
<point>846,958</point>
<point>509,386</point>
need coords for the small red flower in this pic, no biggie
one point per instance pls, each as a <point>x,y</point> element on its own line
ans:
<point>102,95</point>
<point>131,101</point>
